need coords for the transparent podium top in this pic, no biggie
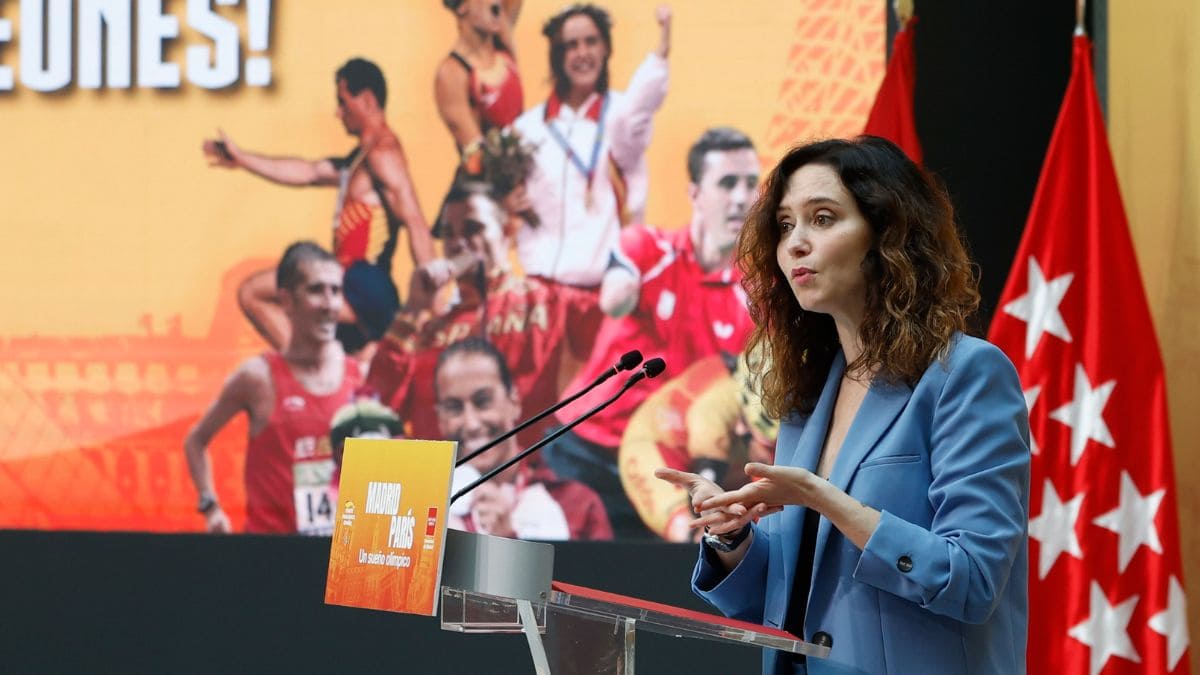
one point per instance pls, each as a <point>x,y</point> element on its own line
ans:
<point>472,612</point>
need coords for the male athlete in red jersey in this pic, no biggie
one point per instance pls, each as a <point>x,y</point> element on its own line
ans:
<point>669,294</point>
<point>375,197</point>
<point>534,325</point>
<point>290,398</point>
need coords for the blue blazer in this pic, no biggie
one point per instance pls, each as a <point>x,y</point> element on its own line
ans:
<point>941,586</point>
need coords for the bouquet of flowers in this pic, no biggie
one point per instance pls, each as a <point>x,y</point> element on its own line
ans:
<point>505,162</point>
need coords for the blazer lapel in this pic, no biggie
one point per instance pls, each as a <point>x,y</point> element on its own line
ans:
<point>807,450</point>
<point>804,453</point>
<point>879,409</point>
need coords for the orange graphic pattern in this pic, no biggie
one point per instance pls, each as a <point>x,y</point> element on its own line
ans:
<point>92,429</point>
<point>833,71</point>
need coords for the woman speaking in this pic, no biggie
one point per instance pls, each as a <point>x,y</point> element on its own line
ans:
<point>892,526</point>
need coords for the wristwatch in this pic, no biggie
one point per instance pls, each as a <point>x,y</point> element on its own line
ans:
<point>207,503</point>
<point>727,542</point>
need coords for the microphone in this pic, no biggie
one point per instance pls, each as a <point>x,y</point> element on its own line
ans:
<point>628,361</point>
<point>653,368</point>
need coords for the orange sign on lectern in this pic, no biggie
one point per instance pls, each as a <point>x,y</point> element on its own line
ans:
<point>390,528</point>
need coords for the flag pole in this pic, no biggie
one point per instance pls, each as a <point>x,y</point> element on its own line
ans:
<point>903,10</point>
<point>1080,9</point>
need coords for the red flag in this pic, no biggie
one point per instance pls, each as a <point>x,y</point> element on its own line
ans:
<point>1106,589</point>
<point>892,114</point>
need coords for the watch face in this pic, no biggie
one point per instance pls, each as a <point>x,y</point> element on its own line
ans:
<point>727,543</point>
<point>715,542</point>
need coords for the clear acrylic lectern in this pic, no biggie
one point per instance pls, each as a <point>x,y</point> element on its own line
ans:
<point>497,585</point>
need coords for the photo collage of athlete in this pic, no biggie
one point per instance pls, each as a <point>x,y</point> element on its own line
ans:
<point>532,277</point>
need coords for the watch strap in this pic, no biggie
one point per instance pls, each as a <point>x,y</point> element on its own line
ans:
<point>207,503</point>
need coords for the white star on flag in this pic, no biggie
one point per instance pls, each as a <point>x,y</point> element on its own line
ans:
<point>1105,630</point>
<point>1172,623</point>
<point>1055,528</point>
<point>1133,521</point>
<point>1031,397</point>
<point>1085,414</point>
<point>1038,308</point>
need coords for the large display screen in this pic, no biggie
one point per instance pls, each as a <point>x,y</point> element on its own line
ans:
<point>161,155</point>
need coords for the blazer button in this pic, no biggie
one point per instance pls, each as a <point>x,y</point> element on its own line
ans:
<point>822,639</point>
<point>904,564</point>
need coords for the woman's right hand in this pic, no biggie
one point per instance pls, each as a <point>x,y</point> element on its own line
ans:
<point>720,520</point>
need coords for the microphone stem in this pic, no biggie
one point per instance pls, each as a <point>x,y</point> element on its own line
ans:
<point>548,439</point>
<point>533,420</point>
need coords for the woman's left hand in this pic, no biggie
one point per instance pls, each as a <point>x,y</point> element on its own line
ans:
<point>663,15</point>
<point>775,487</point>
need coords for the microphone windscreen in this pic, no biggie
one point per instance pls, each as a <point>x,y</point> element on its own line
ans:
<point>629,360</point>
<point>654,367</point>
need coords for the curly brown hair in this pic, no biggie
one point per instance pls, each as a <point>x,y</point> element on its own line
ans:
<point>921,285</point>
